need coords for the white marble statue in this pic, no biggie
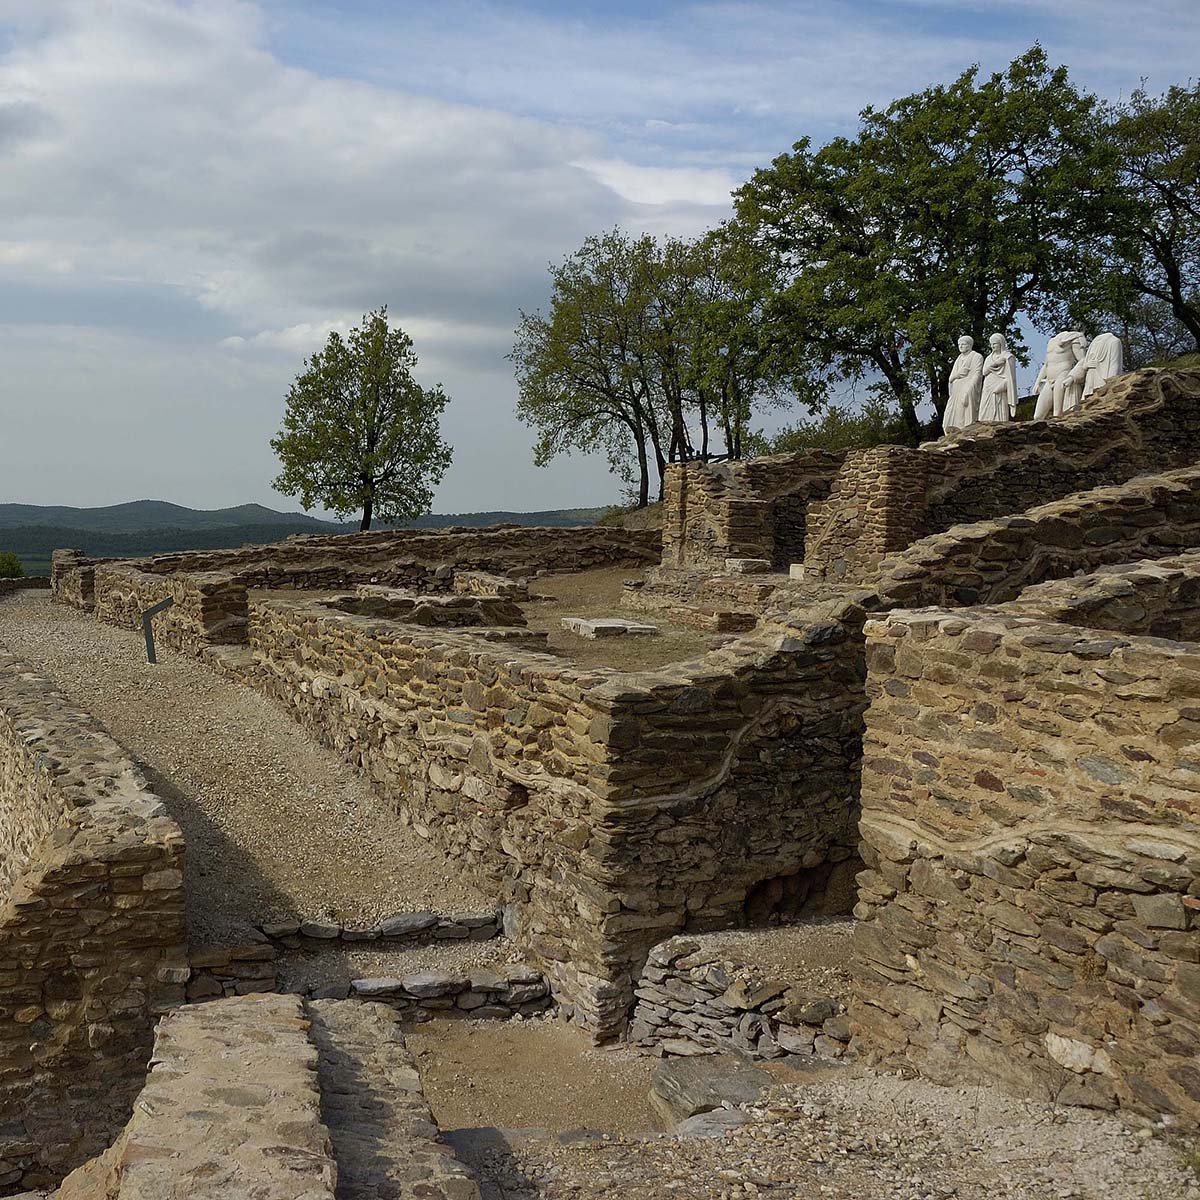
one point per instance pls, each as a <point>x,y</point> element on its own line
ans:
<point>1058,392</point>
<point>966,381</point>
<point>998,397</point>
<point>1104,360</point>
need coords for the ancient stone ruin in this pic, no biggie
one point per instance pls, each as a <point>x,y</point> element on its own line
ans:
<point>949,690</point>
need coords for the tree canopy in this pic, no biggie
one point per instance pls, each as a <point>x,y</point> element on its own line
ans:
<point>359,433</point>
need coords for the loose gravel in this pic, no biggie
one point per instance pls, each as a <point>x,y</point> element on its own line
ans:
<point>277,827</point>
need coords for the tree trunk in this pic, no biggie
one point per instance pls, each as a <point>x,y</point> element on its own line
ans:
<point>368,510</point>
<point>643,469</point>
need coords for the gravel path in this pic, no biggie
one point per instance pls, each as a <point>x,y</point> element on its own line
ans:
<point>277,827</point>
<point>858,1136</point>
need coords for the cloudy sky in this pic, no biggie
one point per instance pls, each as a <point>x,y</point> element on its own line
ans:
<point>193,194</point>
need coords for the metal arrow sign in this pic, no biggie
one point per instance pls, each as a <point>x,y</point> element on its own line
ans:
<point>150,613</point>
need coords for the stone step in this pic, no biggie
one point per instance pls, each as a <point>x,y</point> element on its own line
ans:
<point>385,1140</point>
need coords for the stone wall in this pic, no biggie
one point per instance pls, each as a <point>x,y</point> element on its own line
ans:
<point>73,578</point>
<point>750,509</point>
<point>695,997</point>
<point>1151,516</point>
<point>1031,911</point>
<point>209,607</point>
<point>92,940</point>
<point>889,496</point>
<point>417,558</point>
<point>606,811</point>
<point>25,583</point>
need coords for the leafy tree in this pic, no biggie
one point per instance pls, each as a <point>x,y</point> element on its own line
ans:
<point>10,566</point>
<point>876,423</point>
<point>1152,276</point>
<point>359,431</point>
<point>959,209</point>
<point>582,371</point>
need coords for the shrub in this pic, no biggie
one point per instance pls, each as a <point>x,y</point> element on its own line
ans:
<point>10,566</point>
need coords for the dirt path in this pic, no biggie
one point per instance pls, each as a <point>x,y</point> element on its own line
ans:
<point>277,827</point>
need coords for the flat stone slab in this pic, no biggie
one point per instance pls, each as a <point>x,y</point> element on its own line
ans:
<point>604,627</point>
<point>748,566</point>
<point>683,1087</point>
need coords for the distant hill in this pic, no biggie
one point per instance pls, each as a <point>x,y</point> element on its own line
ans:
<point>144,527</point>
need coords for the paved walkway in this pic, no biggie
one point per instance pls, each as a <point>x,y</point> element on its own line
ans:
<point>277,827</point>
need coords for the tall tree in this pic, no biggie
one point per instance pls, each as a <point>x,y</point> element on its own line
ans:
<point>583,372</point>
<point>959,209</point>
<point>1153,244</point>
<point>359,432</point>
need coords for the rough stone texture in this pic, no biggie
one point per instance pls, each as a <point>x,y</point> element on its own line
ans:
<point>231,1111</point>
<point>608,811</point>
<point>410,927</point>
<point>684,1088</point>
<point>385,1140</point>
<point>887,497</point>
<point>218,971</point>
<point>693,1000</point>
<point>750,509</point>
<point>73,578</point>
<point>209,608</point>
<point>1151,516</point>
<point>605,627</point>
<point>25,583</point>
<point>1029,915</point>
<point>91,930</point>
<point>517,991</point>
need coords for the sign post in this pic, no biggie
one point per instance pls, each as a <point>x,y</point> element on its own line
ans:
<point>147,616</point>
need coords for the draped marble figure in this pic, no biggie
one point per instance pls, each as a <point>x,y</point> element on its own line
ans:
<point>1104,360</point>
<point>966,382</point>
<point>998,397</point>
<point>1058,391</point>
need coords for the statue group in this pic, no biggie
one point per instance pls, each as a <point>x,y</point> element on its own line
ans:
<point>985,389</point>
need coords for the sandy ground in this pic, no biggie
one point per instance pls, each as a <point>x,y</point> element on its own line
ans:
<point>277,827</point>
<point>813,955</point>
<point>597,593</point>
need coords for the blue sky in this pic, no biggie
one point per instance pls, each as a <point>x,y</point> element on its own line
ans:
<point>195,193</point>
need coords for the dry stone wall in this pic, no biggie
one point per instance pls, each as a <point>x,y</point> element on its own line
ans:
<point>25,583</point>
<point>750,509</point>
<point>1031,911</point>
<point>73,578</point>
<point>1151,516</point>
<point>693,998</point>
<point>889,496</point>
<point>92,940</point>
<point>606,811</point>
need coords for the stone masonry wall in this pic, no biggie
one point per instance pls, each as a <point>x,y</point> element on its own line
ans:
<point>92,941</point>
<point>25,583</point>
<point>73,578</point>
<point>408,557</point>
<point>1151,516</point>
<point>606,811</point>
<point>209,608</point>
<point>1031,911</point>
<point>750,509</point>
<point>889,496</point>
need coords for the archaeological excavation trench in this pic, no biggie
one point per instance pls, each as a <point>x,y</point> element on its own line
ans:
<point>502,841</point>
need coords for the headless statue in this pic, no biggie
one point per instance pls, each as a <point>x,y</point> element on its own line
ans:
<point>1104,360</point>
<point>1058,391</point>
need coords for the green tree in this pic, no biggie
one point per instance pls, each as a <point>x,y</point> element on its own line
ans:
<point>10,566</point>
<point>1152,275</point>
<point>359,431</point>
<point>959,209</point>
<point>876,423</point>
<point>583,372</point>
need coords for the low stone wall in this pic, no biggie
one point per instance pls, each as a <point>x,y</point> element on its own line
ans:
<point>693,998</point>
<point>750,509</point>
<point>73,578</point>
<point>1152,516</point>
<point>417,558</point>
<point>607,811</point>
<point>231,1107</point>
<point>24,584</point>
<point>479,994</point>
<point>209,608</point>
<point>92,938</point>
<point>887,497</point>
<point>239,970</point>
<point>411,928</point>
<point>1156,597</point>
<point>1031,912</point>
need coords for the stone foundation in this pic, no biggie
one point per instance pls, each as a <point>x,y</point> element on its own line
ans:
<point>92,938</point>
